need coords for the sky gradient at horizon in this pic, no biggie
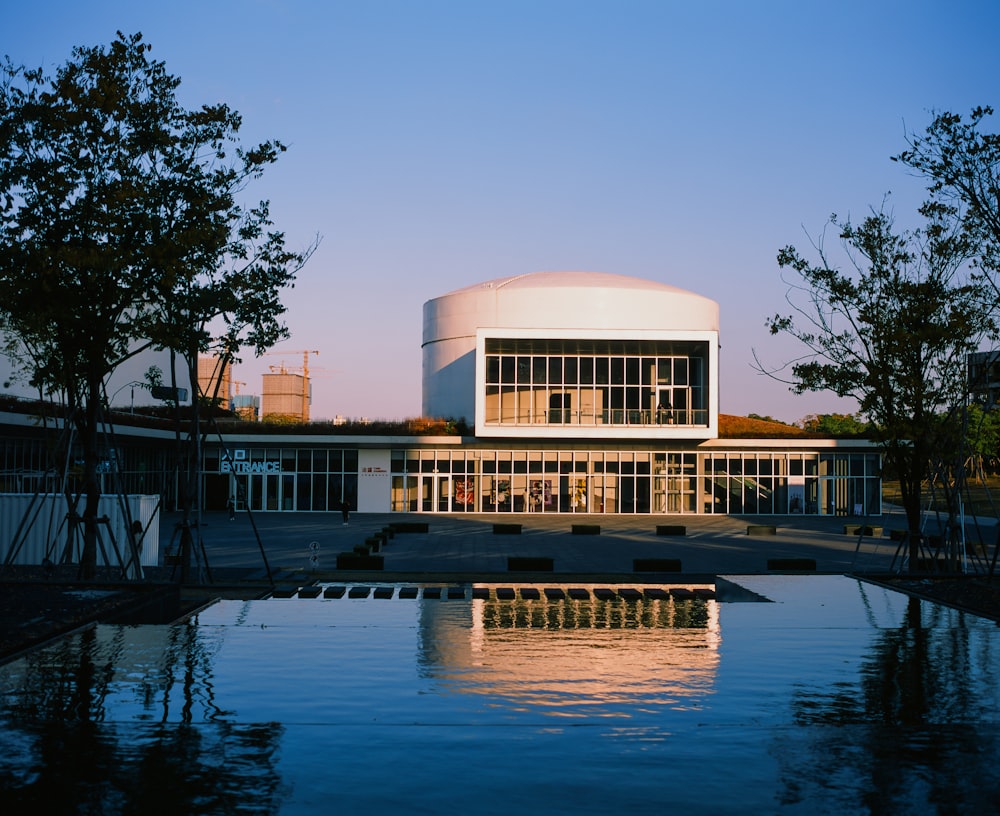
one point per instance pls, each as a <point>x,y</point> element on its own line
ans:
<point>436,144</point>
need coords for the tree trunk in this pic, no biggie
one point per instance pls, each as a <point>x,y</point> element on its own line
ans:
<point>191,459</point>
<point>91,479</point>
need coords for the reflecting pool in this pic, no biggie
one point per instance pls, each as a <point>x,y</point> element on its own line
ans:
<point>838,696</point>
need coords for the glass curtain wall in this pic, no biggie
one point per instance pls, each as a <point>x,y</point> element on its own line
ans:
<point>29,465</point>
<point>590,382</point>
<point>271,479</point>
<point>634,482</point>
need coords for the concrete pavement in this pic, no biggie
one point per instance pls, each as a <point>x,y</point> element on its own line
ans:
<point>465,547</point>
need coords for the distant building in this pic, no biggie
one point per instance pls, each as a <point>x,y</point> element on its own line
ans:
<point>247,407</point>
<point>209,379</point>
<point>984,377</point>
<point>286,395</point>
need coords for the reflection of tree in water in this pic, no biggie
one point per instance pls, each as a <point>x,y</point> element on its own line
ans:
<point>913,735</point>
<point>59,754</point>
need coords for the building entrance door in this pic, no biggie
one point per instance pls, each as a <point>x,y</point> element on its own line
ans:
<point>435,493</point>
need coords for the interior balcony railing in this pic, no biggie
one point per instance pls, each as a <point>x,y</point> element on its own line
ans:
<point>660,418</point>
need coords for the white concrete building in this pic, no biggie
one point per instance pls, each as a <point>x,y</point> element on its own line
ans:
<point>586,355</point>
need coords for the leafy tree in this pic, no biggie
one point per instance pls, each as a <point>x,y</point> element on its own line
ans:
<point>834,424</point>
<point>892,332</point>
<point>960,161</point>
<point>120,229</point>
<point>766,418</point>
<point>962,166</point>
<point>982,438</point>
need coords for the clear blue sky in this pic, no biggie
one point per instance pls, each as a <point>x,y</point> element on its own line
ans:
<point>436,143</point>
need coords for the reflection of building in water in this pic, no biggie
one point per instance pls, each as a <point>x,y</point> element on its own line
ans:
<point>561,654</point>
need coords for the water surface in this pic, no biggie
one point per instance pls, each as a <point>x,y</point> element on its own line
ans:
<point>837,697</point>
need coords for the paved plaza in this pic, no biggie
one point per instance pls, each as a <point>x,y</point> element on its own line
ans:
<point>469,547</point>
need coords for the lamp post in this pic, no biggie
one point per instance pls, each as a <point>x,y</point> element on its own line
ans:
<point>131,385</point>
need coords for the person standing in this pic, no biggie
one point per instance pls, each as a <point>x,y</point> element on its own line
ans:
<point>345,509</point>
<point>231,508</point>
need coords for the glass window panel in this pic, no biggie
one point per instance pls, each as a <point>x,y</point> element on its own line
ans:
<point>586,370</point>
<point>858,464</point>
<point>570,371</point>
<point>632,371</point>
<point>507,369</point>
<point>617,371</point>
<point>493,369</point>
<point>601,375</point>
<point>540,370</point>
<point>303,493</point>
<point>333,492</point>
<point>680,371</point>
<point>337,460</point>
<point>524,370</point>
<point>663,371</point>
<point>212,461</point>
<point>351,463</point>
<point>319,491</point>
<point>555,370</point>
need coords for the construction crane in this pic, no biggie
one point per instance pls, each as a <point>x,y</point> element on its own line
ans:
<point>305,376</point>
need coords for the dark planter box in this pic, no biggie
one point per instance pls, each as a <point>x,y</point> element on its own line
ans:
<point>506,529</point>
<point>656,565</point>
<point>671,530</point>
<point>586,529</point>
<point>410,527</point>
<point>527,563</point>
<point>792,564</point>
<point>862,529</point>
<point>353,561</point>
<point>761,529</point>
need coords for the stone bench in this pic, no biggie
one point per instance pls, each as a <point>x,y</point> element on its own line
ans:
<point>506,529</point>
<point>656,565</point>
<point>529,563</point>
<point>791,564</point>
<point>586,529</point>
<point>356,561</point>
<point>671,530</point>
